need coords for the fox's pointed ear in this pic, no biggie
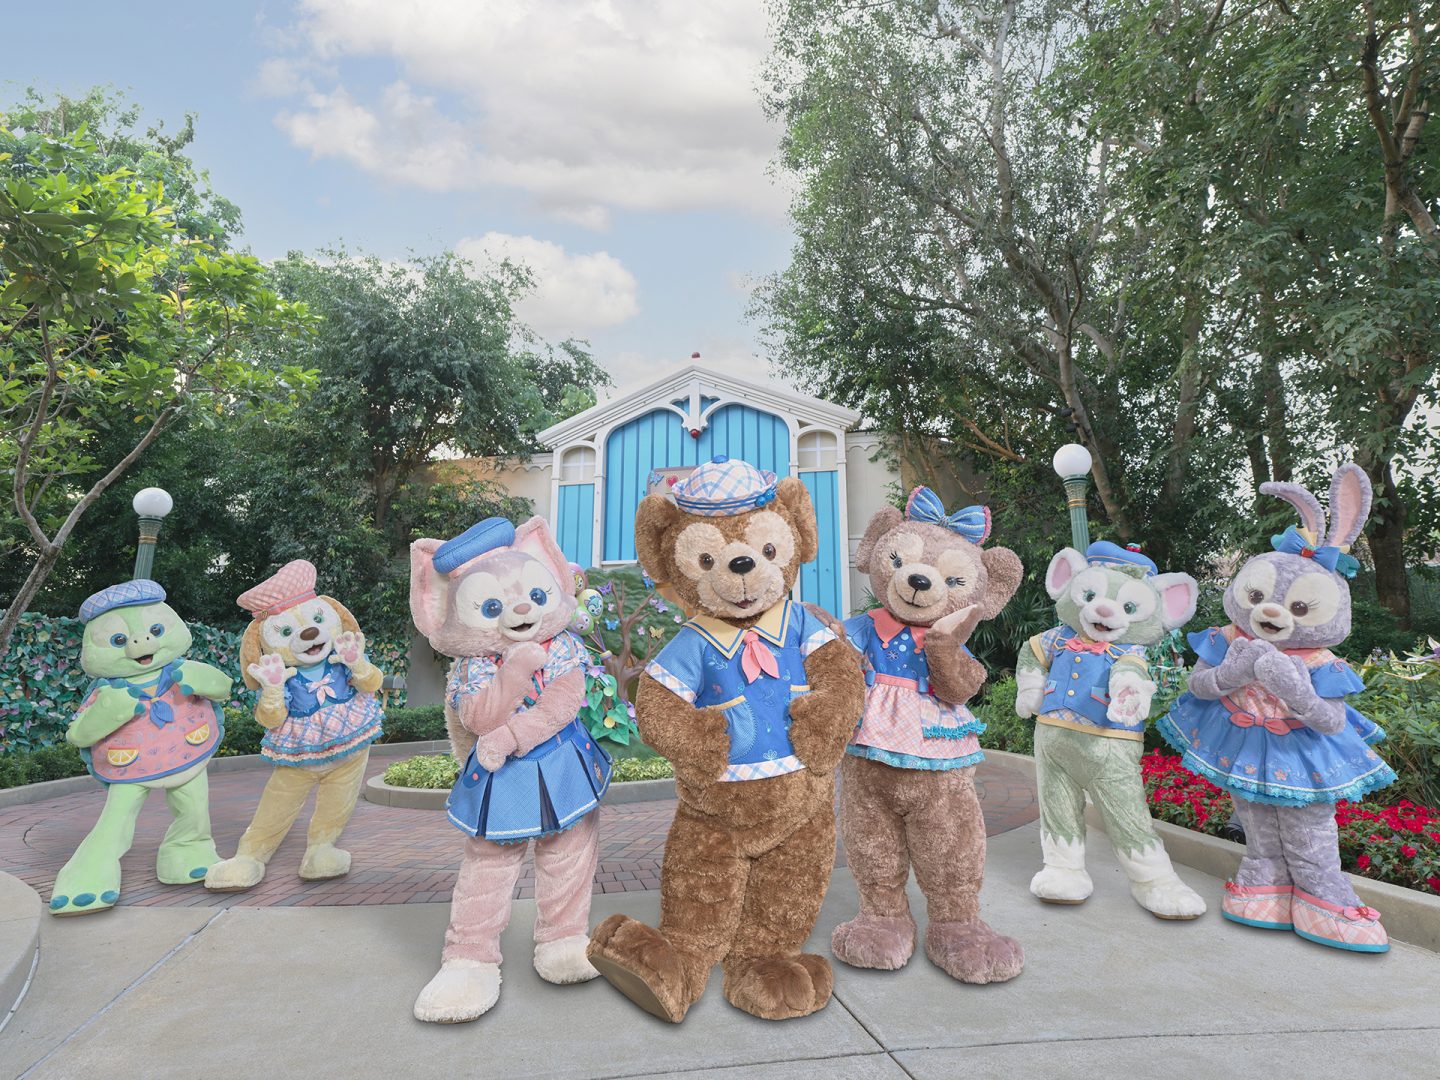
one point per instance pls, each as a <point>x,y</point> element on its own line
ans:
<point>429,590</point>
<point>535,538</point>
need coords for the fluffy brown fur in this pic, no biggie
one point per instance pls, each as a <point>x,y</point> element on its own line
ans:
<point>746,863</point>
<point>892,819</point>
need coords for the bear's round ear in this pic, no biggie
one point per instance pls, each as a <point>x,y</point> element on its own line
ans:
<point>881,522</point>
<point>1065,565</point>
<point>795,496</point>
<point>1003,574</point>
<point>653,517</point>
<point>250,653</point>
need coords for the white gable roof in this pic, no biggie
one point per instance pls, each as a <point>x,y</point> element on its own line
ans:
<point>690,384</point>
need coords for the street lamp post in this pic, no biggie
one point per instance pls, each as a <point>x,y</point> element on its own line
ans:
<point>152,504</point>
<point>1072,465</point>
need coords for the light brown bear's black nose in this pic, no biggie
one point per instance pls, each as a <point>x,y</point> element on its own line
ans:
<point>742,564</point>
<point>918,582</point>
<point>310,633</point>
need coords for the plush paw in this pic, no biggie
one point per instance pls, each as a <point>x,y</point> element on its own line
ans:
<point>526,655</point>
<point>1168,898</point>
<point>564,961</point>
<point>1027,702</point>
<point>1056,885</point>
<point>235,875</point>
<point>874,941</point>
<point>492,750</point>
<point>270,671</point>
<point>324,862</point>
<point>639,962</point>
<point>350,648</point>
<point>958,624</point>
<point>461,991</point>
<point>778,987</point>
<point>972,952</point>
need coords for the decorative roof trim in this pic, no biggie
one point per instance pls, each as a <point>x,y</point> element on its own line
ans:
<point>659,395</point>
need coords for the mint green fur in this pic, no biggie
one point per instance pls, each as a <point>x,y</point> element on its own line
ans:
<point>1071,763</point>
<point>188,849</point>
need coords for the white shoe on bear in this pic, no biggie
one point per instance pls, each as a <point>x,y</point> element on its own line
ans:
<point>235,875</point>
<point>1059,885</point>
<point>564,961</point>
<point>461,991</point>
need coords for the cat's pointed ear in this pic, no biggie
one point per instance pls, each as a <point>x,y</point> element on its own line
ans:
<point>1066,563</point>
<point>1350,495</point>
<point>1178,595</point>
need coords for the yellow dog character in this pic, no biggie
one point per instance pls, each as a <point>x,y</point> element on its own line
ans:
<point>306,655</point>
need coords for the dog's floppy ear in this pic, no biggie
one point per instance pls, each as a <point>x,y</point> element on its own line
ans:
<point>347,621</point>
<point>795,496</point>
<point>250,653</point>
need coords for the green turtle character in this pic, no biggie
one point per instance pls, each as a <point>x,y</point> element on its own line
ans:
<point>151,720</point>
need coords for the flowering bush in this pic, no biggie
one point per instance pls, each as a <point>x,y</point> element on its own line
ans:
<point>1399,844</point>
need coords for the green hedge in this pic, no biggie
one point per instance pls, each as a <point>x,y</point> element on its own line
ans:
<point>41,683</point>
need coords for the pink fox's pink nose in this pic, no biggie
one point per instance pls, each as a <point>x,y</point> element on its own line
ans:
<point>520,609</point>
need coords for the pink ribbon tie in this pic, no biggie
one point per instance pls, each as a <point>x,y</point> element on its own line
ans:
<point>1096,647</point>
<point>756,658</point>
<point>1275,725</point>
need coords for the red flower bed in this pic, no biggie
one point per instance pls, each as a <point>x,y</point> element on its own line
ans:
<point>1399,844</point>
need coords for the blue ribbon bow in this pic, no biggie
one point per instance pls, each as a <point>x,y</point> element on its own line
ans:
<point>973,522</point>
<point>1291,542</point>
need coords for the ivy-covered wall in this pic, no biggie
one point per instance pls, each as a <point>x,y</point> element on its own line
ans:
<point>41,682</point>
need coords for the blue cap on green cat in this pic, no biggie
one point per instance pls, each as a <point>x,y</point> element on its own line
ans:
<point>126,594</point>
<point>1104,553</point>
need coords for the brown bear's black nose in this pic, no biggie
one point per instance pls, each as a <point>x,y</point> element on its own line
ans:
<point>918,582</point>
<point>309,634</point>
<point>742,564</point>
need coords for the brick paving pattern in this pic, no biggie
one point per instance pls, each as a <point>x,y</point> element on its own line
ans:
<point>400,856</point>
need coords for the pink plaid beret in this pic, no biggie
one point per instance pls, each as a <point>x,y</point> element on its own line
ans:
<point>292,584</point>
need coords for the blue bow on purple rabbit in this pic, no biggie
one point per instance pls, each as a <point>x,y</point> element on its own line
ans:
<point>973,522</point>
<point>1294,542</point>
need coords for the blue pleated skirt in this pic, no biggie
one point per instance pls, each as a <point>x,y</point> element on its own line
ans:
<point>545,791</point>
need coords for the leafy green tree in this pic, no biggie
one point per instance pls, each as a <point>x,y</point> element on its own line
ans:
<point>110,317</point>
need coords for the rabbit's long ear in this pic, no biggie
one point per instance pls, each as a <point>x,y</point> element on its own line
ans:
<point>1350,495</point>
<point>1311,516</point>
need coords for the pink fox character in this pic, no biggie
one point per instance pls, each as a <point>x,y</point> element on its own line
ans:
<point>499,599</point>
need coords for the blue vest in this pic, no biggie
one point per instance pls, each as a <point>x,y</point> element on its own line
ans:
<point>303,696</point>
<point>1077,687</point>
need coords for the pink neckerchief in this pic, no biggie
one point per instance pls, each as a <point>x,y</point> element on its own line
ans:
<point>889,627</point>
<point>757,657</point>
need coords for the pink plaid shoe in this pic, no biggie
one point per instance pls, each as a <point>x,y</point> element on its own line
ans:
<point>1355,928</point>
<point>1266,906</point>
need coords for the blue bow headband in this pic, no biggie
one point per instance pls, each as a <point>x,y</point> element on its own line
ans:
<point>973,522</point>
<point>1293,542</point>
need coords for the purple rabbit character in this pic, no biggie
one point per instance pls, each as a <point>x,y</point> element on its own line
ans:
<point>1265,718</point>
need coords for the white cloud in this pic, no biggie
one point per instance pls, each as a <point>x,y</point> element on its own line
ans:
<point>574,295</point>
<point>587,106</point>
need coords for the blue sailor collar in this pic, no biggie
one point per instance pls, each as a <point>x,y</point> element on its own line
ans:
<point>726,636</point>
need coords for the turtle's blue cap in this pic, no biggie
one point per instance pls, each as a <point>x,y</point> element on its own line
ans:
<point>1104,553</point>
<point>126,594</point>
<point>481,537</point>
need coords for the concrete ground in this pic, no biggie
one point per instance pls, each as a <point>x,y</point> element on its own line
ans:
<point>278,992</point>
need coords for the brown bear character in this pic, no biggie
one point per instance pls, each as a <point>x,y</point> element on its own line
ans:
<point>907,790</point>
<point>752,702</point>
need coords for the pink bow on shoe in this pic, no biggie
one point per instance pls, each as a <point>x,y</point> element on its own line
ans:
<point>757,658</point>
<point>1357,914</point>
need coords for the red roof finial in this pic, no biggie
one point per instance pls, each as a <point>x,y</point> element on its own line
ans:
<point>694,356</point>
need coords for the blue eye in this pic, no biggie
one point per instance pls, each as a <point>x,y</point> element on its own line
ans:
<point>158,630</point>
<point>491,609</point>
<point>538,597</point>
<point>118,640</point>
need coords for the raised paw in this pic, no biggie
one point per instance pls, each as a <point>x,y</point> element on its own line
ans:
<point>884,943</point>
<point>638,961</point>
<point>350,648</point>
<point>778,987</point>
<point>972,952</point>
<point>270,671</point>
<point>461,991</point>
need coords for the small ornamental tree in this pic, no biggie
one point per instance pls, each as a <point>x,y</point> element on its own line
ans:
<point>111,318</point>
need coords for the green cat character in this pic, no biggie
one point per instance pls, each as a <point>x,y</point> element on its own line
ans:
<point>150,721</point>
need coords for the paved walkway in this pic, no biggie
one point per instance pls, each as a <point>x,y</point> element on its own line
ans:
<point>401,856</point>
<point>1107,991</point>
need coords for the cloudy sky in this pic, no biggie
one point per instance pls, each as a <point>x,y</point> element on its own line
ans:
<point>618,148</point>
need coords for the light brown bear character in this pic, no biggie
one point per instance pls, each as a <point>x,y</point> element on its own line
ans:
<point>907,792</point>
<point>752,702</point>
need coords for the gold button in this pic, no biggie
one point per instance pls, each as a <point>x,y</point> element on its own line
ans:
<point>1074,674</point>
<point>1070,693</point>
<point>1077,659</point>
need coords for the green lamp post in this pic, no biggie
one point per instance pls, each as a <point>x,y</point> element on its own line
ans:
<point>1072,465</point>
<point>151,504</point>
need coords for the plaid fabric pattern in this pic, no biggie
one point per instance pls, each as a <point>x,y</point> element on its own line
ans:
<point>762,770</point>
<point>292,584</point>
<point>670,682</point>
<point>822,636</point>
<point>723,487</point>
<point>126,594</point>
